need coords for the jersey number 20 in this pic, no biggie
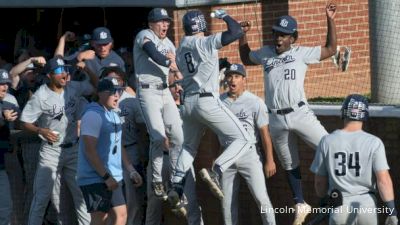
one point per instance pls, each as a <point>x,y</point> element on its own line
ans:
<point>290,74</point>
<point>347,163</point>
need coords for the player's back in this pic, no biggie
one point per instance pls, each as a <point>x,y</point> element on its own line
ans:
<point>353,158</point>
<point>197,59</point>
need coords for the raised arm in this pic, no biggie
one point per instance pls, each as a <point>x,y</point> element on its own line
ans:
<point>330,47</point>
<point>244,48</point>
<point>60,50</point>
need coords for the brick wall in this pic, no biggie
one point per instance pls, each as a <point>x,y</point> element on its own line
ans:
<point>322,79</point>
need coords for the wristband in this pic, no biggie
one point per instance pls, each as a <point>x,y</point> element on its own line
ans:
<point>106,176</point>
<point>391,206</point>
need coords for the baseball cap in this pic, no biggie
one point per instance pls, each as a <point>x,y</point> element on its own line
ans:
<point>285,24</point>
<point>236,68</point>
<point>55,65</point>
<point>4,77</point>
<point>158,14</point>
<point>109,84</point>
<point>101,36</point>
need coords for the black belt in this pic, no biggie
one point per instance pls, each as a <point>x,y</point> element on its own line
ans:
<point>157,86</point>
<point>129,145</point>
<point>165,153</point>
<point>65,145</point>
<point>285,111</point>
<point>205,94</point>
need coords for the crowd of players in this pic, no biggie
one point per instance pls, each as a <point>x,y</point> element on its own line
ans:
<point>88,116</point>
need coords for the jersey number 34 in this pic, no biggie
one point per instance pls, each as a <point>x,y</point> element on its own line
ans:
<point>345,162</point>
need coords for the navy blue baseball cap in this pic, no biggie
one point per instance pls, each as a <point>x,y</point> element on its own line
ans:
<point>158,14</point>
<point>101,36</point>
<point>285,24</point>
<point>109,84</point>
<point>55,65</point>
<point>236,68</point>
<point>4,77</point>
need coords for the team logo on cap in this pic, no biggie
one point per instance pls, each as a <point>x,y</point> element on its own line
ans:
<point>114,81</point>
<point>284,23</point>
<point>164,12</point>
<point>234,67</point>
<point>103,35</point>
<point>60,62</point>
<point>4,75</point>
<point>113,64</point>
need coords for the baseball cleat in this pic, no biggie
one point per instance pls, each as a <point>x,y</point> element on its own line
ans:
<point>159,191</point>
<point>212,180</point>
<point>176,204</point>
<point>302,210</point>
<point>346,58</point>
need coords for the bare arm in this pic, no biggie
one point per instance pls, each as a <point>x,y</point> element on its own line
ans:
<point>385,185</point>
<point>68,36</point>
<point>45,132</point>
<point>330,47</point>
<point>133,174</point>
<point>269,167</point>
<point>321,185</point>
<point>20,67</point>
<point>244,48</point>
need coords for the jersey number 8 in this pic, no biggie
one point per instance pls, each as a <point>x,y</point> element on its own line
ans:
<point>342,166</point>
<point>189,62</point>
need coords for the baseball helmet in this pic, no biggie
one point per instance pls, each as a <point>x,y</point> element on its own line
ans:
<point>355,107</point>
<point>194,22</point>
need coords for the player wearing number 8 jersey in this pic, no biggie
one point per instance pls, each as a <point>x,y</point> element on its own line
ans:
<point>354,162</point>
<point>285,67</point>
<point>197,59</point>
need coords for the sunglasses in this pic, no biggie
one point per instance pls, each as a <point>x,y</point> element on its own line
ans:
<point>118,91</point>
<point>59,70</point>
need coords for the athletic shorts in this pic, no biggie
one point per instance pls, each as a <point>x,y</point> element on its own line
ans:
<point>99,199</point>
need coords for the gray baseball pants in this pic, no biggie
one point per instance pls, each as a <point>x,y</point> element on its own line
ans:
<point>5,199</point>
<point>163,121</point>
<point>209,111</point>
<point>55,162</point>
<point>284,128</point>
<point>354,211</point>
<point>134,196</point>
<point>250,167</point>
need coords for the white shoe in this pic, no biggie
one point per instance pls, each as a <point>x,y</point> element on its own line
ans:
<point>302,210</point>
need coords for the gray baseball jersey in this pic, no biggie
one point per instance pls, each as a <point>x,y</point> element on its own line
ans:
<point>250,110</point>
<point>130,114</point>
<point>252,113</point>
<point>146,69</point>
<point>97,64</point>
<point>200,68</point>
<point>284,74</point>
<point>58,112</point>
<point>350,159</point>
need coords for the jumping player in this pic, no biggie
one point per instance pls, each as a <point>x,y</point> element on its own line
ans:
<point>285,68</point>
<point>197,59</point>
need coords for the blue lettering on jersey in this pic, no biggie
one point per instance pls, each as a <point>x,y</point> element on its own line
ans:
<point>277,62</point>
<point>242,115</point>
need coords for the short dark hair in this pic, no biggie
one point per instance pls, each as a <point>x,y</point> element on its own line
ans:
<point>114,69</point>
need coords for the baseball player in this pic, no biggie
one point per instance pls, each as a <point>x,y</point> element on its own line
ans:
<point>253,114</point>
<point>129,112</point>
<point>101,156</point>
<point>354,162</point>
<point>285,68</point>
<point>154,58</point>
<point>55,108</point>
<point>197,59</point>
<point>8,114</point>
<point>102,55</point>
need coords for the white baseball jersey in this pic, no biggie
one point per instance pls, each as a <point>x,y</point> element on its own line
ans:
<point>250,110</point>
<point>284,74</point>
<point>148,71</point>
<point>130,114</point>
<point>197,59</point>
<point>58,112</point>
<point>350,160</point>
